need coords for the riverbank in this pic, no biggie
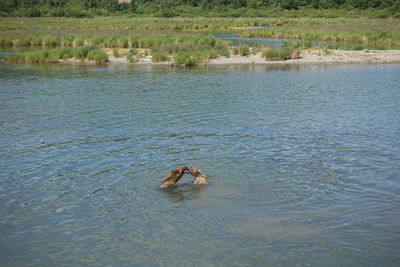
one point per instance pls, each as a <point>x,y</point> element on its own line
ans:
<point>307,56</point>
<point>311,56</point>
<point>144,57</point>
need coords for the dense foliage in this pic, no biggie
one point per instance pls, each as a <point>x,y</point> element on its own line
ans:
<point>173,8</point>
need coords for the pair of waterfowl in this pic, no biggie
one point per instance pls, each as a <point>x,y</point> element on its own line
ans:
<point>176,174</point>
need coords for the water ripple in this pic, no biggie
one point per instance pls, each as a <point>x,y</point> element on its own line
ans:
<point>303,165</point>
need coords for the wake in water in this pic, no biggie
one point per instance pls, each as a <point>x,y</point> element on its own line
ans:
<point>176,174</point>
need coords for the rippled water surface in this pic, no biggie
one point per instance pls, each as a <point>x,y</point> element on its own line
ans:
<point>303,164</point>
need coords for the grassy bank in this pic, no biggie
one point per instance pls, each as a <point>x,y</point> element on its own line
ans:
<point>345,34</point>
<point>166,41</point>
<point>184,49</point>
<point>282,53</point>
<point>383,40</point>
<point>54,55</point>
<point>176,56</point>
<point>122,25</point>
<point>18,27</point>
<point>185,41</point>
<point>149,32</point>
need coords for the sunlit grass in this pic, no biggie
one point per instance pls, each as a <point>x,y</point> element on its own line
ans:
<point>54,55</point>
<point>282,53</point>
<point>378,39</point>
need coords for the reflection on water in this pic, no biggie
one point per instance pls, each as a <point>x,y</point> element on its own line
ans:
<point>186,191</point>
<point>303,164</point>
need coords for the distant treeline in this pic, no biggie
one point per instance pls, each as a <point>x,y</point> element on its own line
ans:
<point>173,8</point>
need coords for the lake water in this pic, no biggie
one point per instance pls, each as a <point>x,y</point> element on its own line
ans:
<point>303,164</point>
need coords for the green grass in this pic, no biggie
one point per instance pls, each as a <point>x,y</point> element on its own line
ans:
<point>186,59</point>
<point>244,50</point>
<point>106,25</point>
<point>99,56</point>
<point>54,55</point>
<point>282,53</point>
<point>159,56</point>
<point>379,38</point>
<point>184,49</point>
<point>116,53</point>
<point>132,55</point>
<point>112,32</point>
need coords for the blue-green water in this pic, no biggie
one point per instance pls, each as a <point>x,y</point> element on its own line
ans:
<point>303,164</point>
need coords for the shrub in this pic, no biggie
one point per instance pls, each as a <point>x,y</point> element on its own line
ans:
<point>66,53</point>
<point>159,56</point>
<point>50,41</point>
<point>280,53</point>
<point>357,47</point>
<point>82,51</point>
<point>186,59</point>
<point>99,56</point>
<point>244,50</point>
<point>131,56</point>
<point>53,55</point>
<point>116,53</point>
<point>78,41</point>
<point>36,57</point>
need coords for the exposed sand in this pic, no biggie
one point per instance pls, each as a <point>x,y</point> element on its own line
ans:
<point>319,56</point>
<point>309,56</point>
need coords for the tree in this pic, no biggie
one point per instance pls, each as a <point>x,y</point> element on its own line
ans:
<point>112,5</point>
<point>8,5</point>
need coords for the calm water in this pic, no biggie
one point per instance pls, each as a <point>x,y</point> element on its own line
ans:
<point>231,36</point>
<point>304,165</point>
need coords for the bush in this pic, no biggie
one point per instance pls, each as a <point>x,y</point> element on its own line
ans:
<point>131,56</point>
<point>99,56</point>
<point>159,56</point>
<point>116,53</point>
<point>36,57</point>
<point>244,50</point>
<point>281,53</point>
<point>53,55</point>
<point>29,12</point>
<point>82,51</point>
<point>357,47</point>
<point>185,59</point>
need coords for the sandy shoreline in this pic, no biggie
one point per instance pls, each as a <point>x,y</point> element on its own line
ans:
<point>309,56</point>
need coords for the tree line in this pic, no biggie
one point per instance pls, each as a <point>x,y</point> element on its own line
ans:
<point>169,8</point>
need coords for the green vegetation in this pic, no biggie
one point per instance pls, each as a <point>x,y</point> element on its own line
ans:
<point>116,53</point>
<point>183,48</point>
<point>159,56</point>
<point>99,56</point>
<point>103,26</point>
<point>384,34</point>
<point>185,41</point>
<point>211,8</point>
<point>186,59</point>
<point>131,56</point>
<point>54,55</point>
<point>150,32</point>
<point>282,53</point>
<point>244,50</point>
